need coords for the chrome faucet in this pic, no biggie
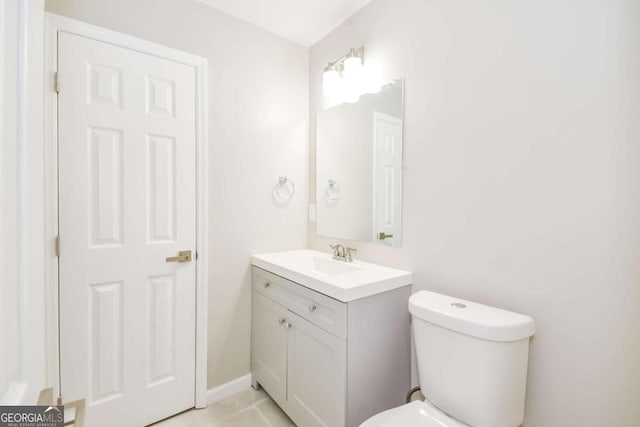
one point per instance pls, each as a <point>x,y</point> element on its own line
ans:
<point>342,253</point>
<point>338,251</point>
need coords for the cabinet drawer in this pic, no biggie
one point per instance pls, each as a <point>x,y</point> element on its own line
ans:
<point>321,310</point>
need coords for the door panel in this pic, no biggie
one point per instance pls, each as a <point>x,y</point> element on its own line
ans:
<point>161,190</point>
<point>316,375</point>
<point>127,201</point>
<point>105,351</point>
<point>161,333</point>
<point>269,351</point>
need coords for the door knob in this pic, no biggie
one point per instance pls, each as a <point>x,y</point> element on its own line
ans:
<point>382,235</point>
<point>183,256</point>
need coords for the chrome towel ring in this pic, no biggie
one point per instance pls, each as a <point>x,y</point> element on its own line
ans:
<point>284,189</point>
<point>332,193</point>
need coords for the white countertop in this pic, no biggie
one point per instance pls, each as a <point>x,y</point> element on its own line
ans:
<point>344,281</point>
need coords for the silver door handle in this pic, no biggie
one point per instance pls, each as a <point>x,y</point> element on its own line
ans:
<point>183,256</point>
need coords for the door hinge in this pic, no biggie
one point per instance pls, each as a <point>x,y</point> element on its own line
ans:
<point>57,246</point>
<point>56,82</point>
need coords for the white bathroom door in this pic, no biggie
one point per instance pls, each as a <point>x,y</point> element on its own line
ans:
<point>127,201</point>
<point>387,179</point>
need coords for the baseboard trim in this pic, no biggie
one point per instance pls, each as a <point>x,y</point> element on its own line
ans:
<point>225,390</point>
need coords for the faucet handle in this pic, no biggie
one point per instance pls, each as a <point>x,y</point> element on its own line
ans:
<point>336,249</point>
<point>339,250</point>
<point>348,253</point>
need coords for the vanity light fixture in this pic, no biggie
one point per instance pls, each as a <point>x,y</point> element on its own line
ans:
<point>346,77</point>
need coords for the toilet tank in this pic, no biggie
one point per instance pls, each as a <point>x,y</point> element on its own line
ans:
<point>472,358</point>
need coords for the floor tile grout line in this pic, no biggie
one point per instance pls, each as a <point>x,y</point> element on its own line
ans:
<point>264,417</point>
<point>252,403</point>
<point>238,412</point>
<point>195,414</point>
<point>215,423</point>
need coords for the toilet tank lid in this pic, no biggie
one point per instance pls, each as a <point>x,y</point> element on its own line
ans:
<point>470,318</point>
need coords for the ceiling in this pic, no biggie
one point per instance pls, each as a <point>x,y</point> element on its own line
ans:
<point>303,21</point>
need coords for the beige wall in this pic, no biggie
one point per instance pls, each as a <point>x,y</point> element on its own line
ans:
<point>257,131</point>
<point>522,140</point>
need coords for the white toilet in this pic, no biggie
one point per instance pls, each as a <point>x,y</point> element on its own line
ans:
<point>472,365</point>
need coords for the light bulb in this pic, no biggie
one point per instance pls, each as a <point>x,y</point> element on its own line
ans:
<point>331,81</point>
<point>352,77</point>
<point>352,68</point>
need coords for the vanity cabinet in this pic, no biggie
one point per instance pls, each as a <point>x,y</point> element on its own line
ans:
<point>326,362</point>
<point>269,345</point>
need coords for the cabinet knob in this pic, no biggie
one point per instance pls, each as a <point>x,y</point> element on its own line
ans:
<point>312,307</point>
<point>281,320</point>
<point>266,284</point>
<point>287,325</point>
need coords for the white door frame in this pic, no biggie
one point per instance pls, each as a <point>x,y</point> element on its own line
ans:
<point>53,25</point>
<point>22,339</point>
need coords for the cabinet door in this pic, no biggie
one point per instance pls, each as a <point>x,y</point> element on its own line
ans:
<point>269,347</point>
<point>316,375</point>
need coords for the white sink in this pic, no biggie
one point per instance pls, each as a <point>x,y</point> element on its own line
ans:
<point>331,267</point>
<point>344,281</point>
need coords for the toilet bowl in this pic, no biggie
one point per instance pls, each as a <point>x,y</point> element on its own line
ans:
<point>472,365</point>
<point>416,413</point>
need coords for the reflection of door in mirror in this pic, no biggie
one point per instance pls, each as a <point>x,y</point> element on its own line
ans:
<point>387,179</point>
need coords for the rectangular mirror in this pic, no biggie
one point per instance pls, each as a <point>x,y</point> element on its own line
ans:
<point>359,168</point>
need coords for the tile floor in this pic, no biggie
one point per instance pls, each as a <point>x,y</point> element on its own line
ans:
<point>249,408</point>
